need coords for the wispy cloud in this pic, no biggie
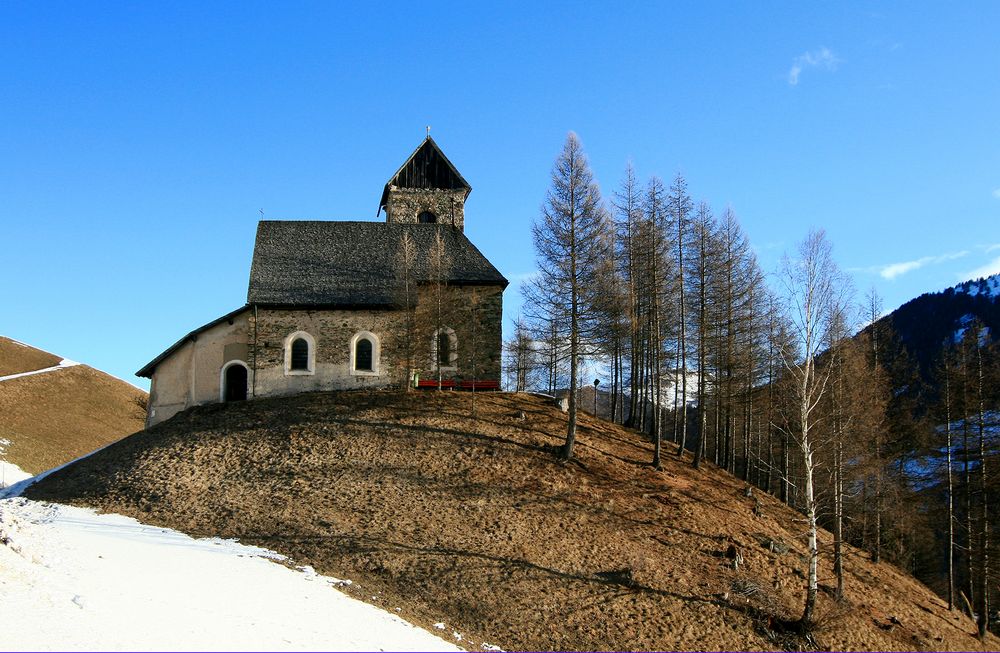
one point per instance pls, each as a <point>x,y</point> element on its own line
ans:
<point>996,193</point>
<point>824,59</point>
<point>991,268</point>
<point>894,270</point>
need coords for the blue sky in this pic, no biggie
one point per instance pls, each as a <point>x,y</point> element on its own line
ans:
<point>141,140</point>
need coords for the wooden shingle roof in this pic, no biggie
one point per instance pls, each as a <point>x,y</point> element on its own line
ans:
<point>352,264</point>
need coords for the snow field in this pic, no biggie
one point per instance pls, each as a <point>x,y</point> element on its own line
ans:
<point>71,579</point>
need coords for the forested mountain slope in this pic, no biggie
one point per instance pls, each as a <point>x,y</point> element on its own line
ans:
<point>454,506</point>
<point>927,324</point>
<point>940,361</point>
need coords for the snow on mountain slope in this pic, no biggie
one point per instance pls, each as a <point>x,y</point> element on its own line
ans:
<point>64,363</point>
<point>988,286</point>
<point>71,579</point>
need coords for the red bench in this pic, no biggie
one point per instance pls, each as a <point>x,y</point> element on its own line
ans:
<point>484,384</point>
<point>446,384</point>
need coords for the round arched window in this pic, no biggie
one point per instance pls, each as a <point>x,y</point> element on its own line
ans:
<point>426,217</point>
<point>300,354</point>
<point>363,355</point>
<point>444,349</point>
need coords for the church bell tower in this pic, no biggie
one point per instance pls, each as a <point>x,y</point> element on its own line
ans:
<point>426,189</point>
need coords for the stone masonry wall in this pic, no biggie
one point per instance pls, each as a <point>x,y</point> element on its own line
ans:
<point>404,205</point>
<point>473,312</point>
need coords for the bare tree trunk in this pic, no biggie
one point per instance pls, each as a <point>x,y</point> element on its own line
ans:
<point>838,516</point>
<point>680,207</point>
<point>704,224</point>
<point>951,486</point>
<point>984,529</point>
<point>967,474</point>
<point>812,584</point>
<point>574,335</point>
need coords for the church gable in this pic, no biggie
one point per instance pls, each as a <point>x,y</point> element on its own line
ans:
<point>427,168</point>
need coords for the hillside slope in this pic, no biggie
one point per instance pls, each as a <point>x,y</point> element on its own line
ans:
<point>52,417</point>
<point>473,519</point>
<point>17,357</point>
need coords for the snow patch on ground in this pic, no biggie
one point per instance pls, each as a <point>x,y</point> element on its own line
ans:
<point>18,488</point>
<point>62,364</point>
<point>9,472</point>
<point>75,580</point>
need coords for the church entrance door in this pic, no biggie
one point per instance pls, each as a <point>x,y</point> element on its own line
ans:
<point>236,383</point>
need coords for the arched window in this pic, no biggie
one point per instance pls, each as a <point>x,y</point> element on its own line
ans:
<point>365,352</point>
<point>233,382</point>
<point>300,354</point>
<point>363,355</point>
<point>444,349</point>
<point>426,217</point>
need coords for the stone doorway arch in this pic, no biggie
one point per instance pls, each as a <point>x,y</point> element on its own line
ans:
<point>235,381</point>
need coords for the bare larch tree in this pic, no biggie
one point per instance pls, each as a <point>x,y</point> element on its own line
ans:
<point>569,248</point>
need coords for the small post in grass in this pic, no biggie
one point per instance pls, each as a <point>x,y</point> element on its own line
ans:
<point>597,382</point>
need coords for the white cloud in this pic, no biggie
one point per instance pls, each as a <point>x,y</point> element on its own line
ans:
<point>996,193</point>
<point>893,270</point>
<point>824,59</point>
<point>991,268</point>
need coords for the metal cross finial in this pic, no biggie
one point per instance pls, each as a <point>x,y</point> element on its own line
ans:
<point>428,131</point>
<point>261,214</point>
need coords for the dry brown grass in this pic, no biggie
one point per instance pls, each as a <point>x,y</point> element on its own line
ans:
<point>54,417</point>
<point>16,358</point>
<point>473,521</point>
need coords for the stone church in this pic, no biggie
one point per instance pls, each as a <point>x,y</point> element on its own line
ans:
<point>335,305</point>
